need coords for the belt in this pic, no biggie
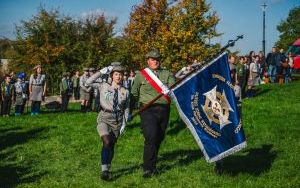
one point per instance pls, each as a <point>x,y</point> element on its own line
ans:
<point>109,111</point>
<point>156,105</point>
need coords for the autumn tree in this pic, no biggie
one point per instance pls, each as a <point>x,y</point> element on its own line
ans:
<point>289,29</point>
<point>179,29</point>
<point>61,43</point>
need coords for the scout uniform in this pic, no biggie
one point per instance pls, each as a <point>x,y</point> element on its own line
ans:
<point>76,87</point>
<point>154,120</point>
<point>66,90</point>
<point>85,90</point>
<point>36,83</point>
<point>92,92</point>
<point>21,93</point>
<point>114,102</point>
<point>7,91</point>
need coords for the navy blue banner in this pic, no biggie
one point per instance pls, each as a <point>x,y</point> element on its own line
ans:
<point>206,103</point>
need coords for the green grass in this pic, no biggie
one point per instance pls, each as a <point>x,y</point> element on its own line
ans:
<point>63,150</point>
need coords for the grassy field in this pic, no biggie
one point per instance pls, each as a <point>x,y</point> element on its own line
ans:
<point>63,150</point>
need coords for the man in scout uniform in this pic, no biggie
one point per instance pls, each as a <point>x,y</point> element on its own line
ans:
<point>154,120</point>
<point>7,93</point>
<point>114,101</point>
<point>84,90</point>
<point>76,87</point>
<point>66,90</point>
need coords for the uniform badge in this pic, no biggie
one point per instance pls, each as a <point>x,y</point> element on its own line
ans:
<point>217,107</point>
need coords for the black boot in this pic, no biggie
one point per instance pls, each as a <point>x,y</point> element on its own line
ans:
<point>82,109</point>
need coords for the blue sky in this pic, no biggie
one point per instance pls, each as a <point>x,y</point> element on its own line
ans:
<point>237,16</point>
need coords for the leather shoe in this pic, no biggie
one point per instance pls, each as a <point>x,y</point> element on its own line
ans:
<point>148,173</point>
<point>106,175</point>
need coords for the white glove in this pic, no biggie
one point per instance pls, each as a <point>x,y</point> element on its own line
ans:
<point>104,70</point>
<point>110,68</point>
<point>122,127</point>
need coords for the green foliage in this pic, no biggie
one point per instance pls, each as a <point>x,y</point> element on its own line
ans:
<point>63,150</point>
<point>181,30</point>
<point>289,29</point>
<point>62,44</point>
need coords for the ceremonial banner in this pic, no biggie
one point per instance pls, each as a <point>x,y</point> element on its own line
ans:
<point>206,103</point>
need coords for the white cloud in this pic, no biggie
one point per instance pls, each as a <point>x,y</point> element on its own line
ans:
<point>98,12</point>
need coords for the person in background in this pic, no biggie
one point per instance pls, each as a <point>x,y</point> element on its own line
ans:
<point>281,70</point>
<point>131,79</point>
<point>92,92</point>
<point>290,60</point>
<point>262,64</point>
<point>37,89</point>
<point>241,71</point>
<point>253,79</point>
<point>85,90</point>
<point>21,94</point>
<point>66,90</point>
<point>7,95</point>
<point>271,60</point>
<point>76,87</point>
<point>125,81</point>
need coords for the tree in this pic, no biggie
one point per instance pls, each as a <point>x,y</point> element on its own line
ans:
<point>289,29</point>
<point>180,30</point>
<point>61,44</point>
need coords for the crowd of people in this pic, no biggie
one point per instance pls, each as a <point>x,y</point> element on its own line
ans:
<point>113,93</point>
<point>18,92</point>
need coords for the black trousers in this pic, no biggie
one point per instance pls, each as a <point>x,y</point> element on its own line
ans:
<point>36,107</point>
<point>64,102</point>
<point>76,93</point>
<point>154,121</point>
<point>5,107</point>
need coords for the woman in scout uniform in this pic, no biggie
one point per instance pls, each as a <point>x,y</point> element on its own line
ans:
<point>37,89</point>
<point>114,102</point>
<point>84,90</point>
<point>21,93</point>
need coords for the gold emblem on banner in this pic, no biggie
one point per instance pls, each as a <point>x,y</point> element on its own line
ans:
<point>217,107</point>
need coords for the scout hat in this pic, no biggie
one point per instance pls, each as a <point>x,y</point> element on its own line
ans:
<point>21,75</point>
<point>66,74</point>
<point>117,67</point>
<point>154,53</point>
<point>37,66</point>
<point>92,69</point>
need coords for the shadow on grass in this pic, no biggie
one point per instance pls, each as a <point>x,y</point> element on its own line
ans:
<point>166,161</point>
<point>175,158</point>
<point>12,172</point>
<point>260,91</point>
<point>255,162</point>
<point>176,126</point>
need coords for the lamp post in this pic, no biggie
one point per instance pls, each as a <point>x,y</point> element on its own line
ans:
<point>264,7</point>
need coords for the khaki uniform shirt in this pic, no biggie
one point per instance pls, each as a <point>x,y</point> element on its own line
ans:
<point>143,92</point>
<point>106,93</point>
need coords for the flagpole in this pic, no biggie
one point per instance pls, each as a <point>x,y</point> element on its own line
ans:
<point>230,43</point>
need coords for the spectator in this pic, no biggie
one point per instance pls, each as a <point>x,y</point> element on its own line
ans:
<point>271,60</point>
<point>37,89</point>
<point>21,93</point>
<point>76,87</point>
<point>253,77</point>
<point>7,91</point>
